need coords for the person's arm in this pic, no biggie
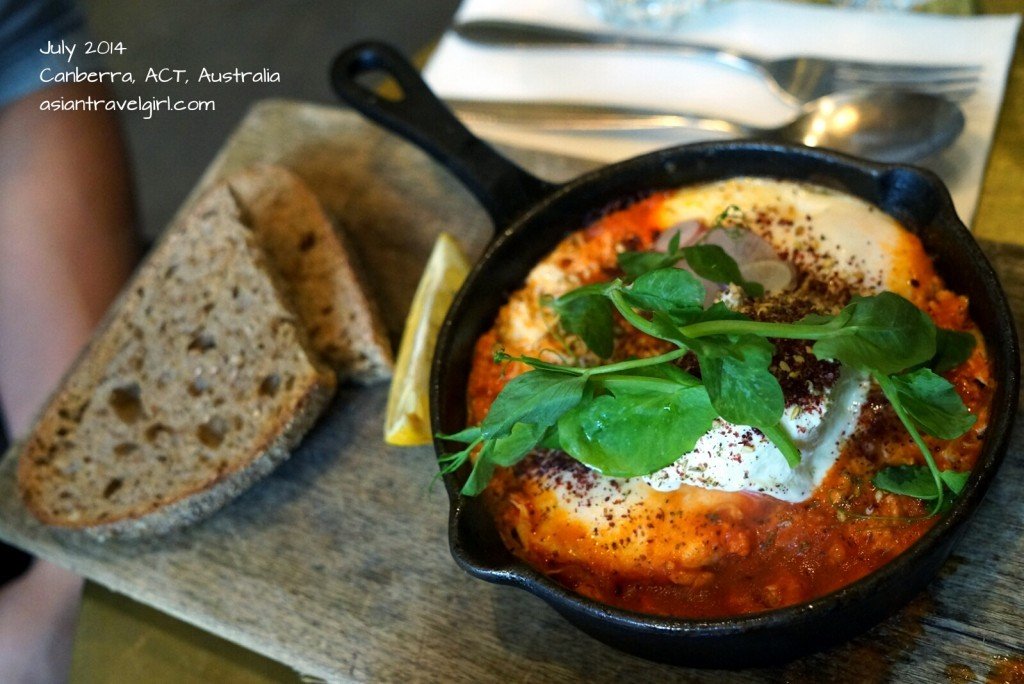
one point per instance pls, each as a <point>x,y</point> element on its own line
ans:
<point>66,246</point>
<point>66,240</point>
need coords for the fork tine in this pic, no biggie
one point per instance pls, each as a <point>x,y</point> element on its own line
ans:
<point>881,72</point>
<point>912,83</point>
<point>955,91</point>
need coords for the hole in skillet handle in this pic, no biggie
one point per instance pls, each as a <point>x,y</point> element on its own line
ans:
<point>504,189</point>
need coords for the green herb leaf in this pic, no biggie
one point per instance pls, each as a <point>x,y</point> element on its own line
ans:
<point>909,480</point>
<point>670,290</point>
<point>715,264</point>
<point>605,433</point>
<point>635,264</point>
<point>452,462</point>
<point>538,397</point>
<point>660,325</point>
<point>590,319</point>
<point>933,404</point>
<point>466,436</point>
<point>666,371</point>
<point>884,333</point>
<point>892,393</point>
<point>504,451</point>
<point>670,326</point>
<point>955,480</point>
<point>587,313</point>
<point>952,347</point>
<point>511,449</point>
<point>592,290</point>
<point>550,439</point>
<point>719,312</point>
<point>708,261</point>
<point>636,416</point>
<point>483,471</point>
<point>665,327</point>
<point>832,322</point>
<point>917,481</point>
<point>673,244</point>
<point>533,362</point>
<point>734,369</point>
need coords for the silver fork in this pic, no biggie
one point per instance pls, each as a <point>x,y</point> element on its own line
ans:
<point>796,79</point>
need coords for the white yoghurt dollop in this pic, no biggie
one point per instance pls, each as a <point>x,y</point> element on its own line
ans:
<point>738,458</point>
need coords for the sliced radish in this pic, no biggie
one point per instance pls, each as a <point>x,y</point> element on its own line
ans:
<point>688,231</point>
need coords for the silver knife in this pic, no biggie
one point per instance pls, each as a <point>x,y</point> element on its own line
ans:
<point>571,116</point>
<point>496,32</point>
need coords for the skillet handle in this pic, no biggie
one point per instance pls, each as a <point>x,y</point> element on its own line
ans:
<point>504,189</point>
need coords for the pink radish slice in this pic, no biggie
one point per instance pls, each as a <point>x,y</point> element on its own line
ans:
<point>742,245</point>
<point>756,258</point>
<point>689,232</point>
<point>773,274</point>
<point>754,255</point>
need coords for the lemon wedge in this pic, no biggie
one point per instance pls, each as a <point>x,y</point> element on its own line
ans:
<point>407,419</point>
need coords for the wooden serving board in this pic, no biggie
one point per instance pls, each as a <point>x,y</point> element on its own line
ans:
<point>338,563</point>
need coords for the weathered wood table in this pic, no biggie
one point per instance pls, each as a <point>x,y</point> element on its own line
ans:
<point>337,565</point>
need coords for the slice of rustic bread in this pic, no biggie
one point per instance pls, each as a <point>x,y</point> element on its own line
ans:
<point>317,266</point>
<point>198,383</point>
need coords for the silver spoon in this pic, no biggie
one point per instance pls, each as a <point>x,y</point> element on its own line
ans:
<point>885,125</point>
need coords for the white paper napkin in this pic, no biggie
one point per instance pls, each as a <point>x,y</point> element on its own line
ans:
<point>460,69</point>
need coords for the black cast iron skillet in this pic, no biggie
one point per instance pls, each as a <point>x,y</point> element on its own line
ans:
<point>532,216</point>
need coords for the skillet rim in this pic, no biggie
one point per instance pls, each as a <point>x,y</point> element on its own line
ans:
<point>1002,347</point>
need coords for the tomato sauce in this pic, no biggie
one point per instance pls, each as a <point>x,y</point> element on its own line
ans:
<point>703,553</point>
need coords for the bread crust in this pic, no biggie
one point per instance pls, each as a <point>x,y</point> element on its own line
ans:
<point>199,503</point>
<point>319,268</point>
<point>74,457</point>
